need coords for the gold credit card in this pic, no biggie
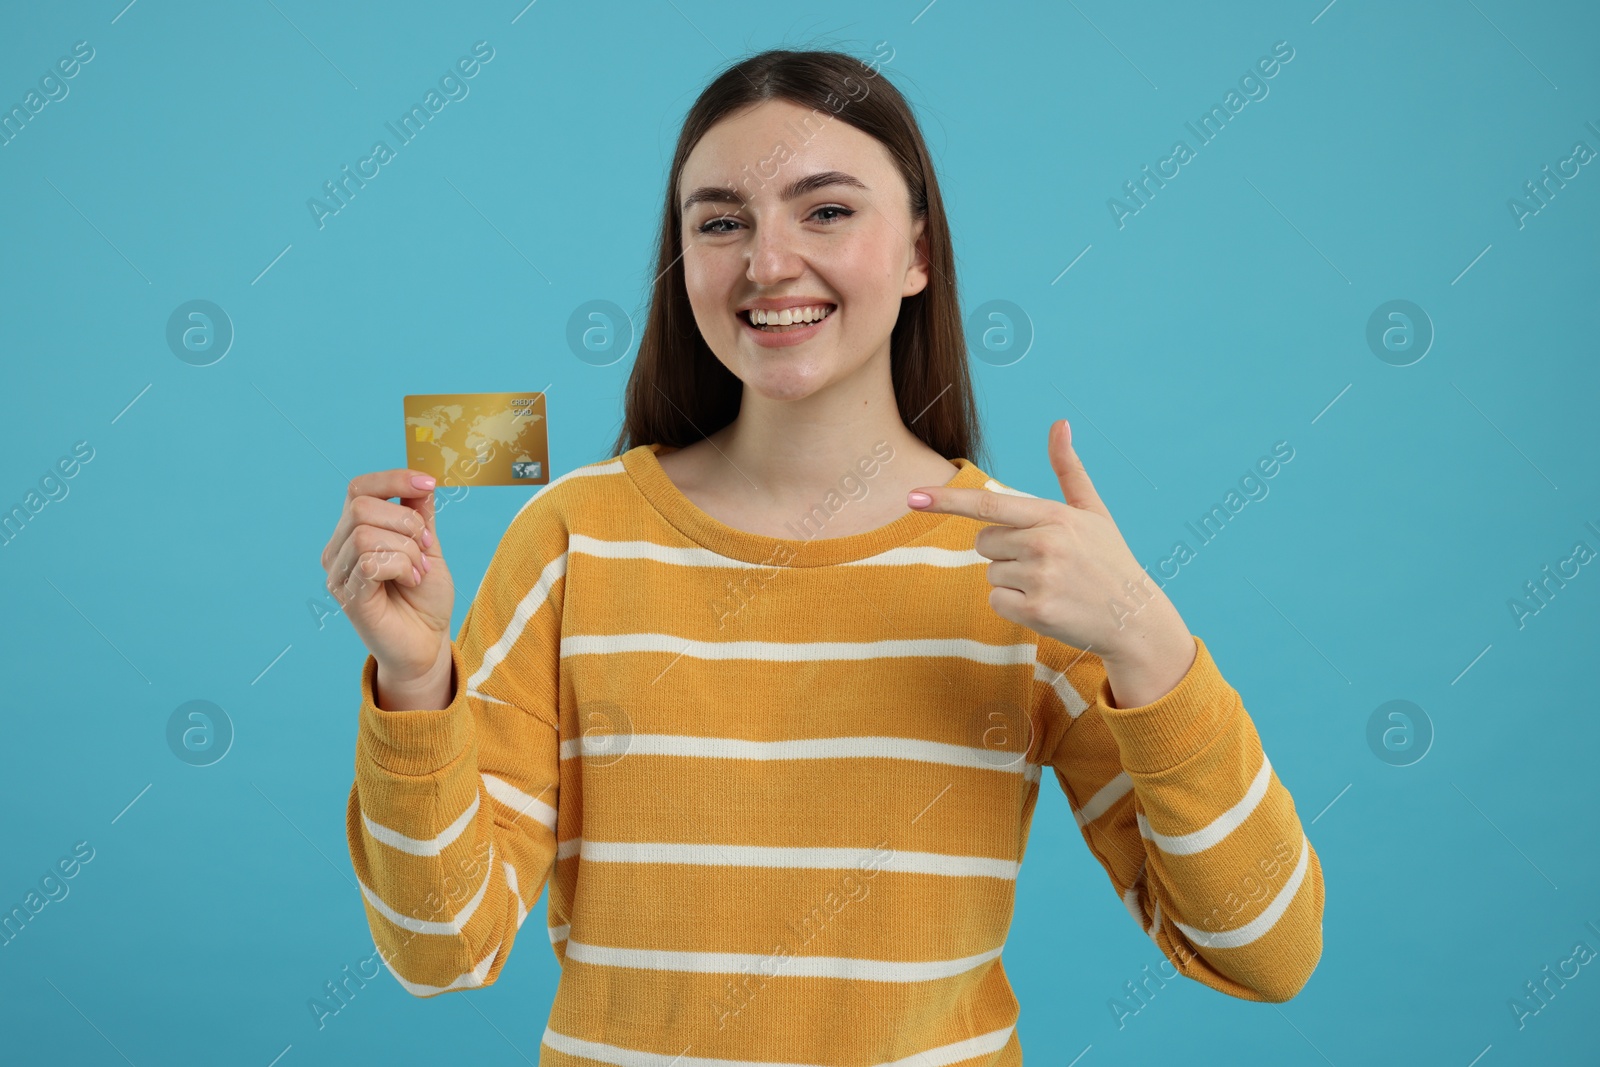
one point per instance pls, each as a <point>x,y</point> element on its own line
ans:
<point>478,438</point>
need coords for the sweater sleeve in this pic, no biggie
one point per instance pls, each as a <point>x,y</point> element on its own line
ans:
<point>1180,805</point>
<point>451,820</point>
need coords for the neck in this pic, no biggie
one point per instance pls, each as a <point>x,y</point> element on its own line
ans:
<point>789,450</point>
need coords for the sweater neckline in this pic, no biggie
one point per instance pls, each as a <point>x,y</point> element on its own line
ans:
<point>643,465</point>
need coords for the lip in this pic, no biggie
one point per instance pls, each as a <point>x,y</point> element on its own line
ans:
<point>788,337</point>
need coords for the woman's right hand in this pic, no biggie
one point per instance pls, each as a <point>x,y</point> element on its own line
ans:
<point>387,571</point>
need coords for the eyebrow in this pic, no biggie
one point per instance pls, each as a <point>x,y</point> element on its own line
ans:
<point>807,183</point>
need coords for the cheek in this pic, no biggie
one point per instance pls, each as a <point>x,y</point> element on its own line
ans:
<point>870,269</point>
<point>694,273</point>
<point>706,285</point>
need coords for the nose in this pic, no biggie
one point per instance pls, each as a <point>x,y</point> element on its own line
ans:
<point>773,258</point>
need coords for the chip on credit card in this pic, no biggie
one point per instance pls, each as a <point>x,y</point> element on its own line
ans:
<point>478,438</point>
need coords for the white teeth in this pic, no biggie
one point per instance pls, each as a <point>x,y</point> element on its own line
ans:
<point>789,316</point>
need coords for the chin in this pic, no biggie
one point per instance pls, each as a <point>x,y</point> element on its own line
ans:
<point>784,384</point>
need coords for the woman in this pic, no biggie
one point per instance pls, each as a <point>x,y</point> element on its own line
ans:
<point>766,697</point>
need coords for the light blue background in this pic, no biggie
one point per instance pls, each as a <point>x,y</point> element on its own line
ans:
<point>1225,316</point>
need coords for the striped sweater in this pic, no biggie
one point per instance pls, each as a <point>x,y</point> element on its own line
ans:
<point>780,790</point>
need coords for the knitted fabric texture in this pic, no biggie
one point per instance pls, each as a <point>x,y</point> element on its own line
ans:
<point>780,790</point>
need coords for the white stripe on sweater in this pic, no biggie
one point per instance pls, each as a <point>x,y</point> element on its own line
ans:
<point>995,487</point>
<point>714,855</point>
<point>1220,827</point>
<point>1130,897</point>
<point>610,466</point>
<point>526,607</point>
<point>451,927</point>
<point>1069,696</point>
<point>613,466</point>
<point>416,846</point>
<point>905,748</point>
<point>1101,802</point>
<point>678,556</point>
<point>518,801</point>
<point>698,556</point>
<point>922,555</point>
<point>1255,928</point>
<point>846,967</point>
<point>795,651</point>
<point>511,884</point>
<point>943,1056</point>
<point>470,980</point>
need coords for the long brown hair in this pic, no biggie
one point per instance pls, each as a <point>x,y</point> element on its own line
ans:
<point>679,392</point>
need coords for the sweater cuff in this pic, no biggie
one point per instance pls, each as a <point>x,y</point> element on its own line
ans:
<point>414,743</point>
<point>1158,736</point>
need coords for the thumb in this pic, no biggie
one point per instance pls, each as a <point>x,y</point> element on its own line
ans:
<point>1076,488</point>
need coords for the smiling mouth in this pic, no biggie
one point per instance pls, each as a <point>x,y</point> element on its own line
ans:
<point>797,324</point>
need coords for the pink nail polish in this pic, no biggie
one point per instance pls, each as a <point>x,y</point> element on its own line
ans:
<point>415,576</point>
<point>426,566</point>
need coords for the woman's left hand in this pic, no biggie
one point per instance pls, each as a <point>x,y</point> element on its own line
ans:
<point>1063,569</point>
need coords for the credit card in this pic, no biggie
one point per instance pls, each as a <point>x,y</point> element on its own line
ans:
<point>478,438</point>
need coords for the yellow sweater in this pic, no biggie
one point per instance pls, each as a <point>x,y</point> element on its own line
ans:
<point>780,790</point>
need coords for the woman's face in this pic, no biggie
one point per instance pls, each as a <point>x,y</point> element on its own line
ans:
<point>844,241</point>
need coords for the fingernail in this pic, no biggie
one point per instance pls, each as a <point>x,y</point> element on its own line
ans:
<point>422,481</point>
<point>415,576</point>
<point>426,566</point>
<point>919,500</point>
<point>426,537</point>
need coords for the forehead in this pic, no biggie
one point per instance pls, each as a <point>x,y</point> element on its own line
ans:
<point>747,148</point>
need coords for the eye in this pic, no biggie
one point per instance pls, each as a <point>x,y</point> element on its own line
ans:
<point>840,213</point>
<point>706,227</point>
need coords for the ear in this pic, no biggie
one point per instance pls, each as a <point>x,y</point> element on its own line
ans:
<point>917,272</point>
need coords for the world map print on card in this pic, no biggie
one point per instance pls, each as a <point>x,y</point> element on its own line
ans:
<point>478,438</point>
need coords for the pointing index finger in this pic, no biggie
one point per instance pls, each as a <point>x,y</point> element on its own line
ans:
<point>982,504</point>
